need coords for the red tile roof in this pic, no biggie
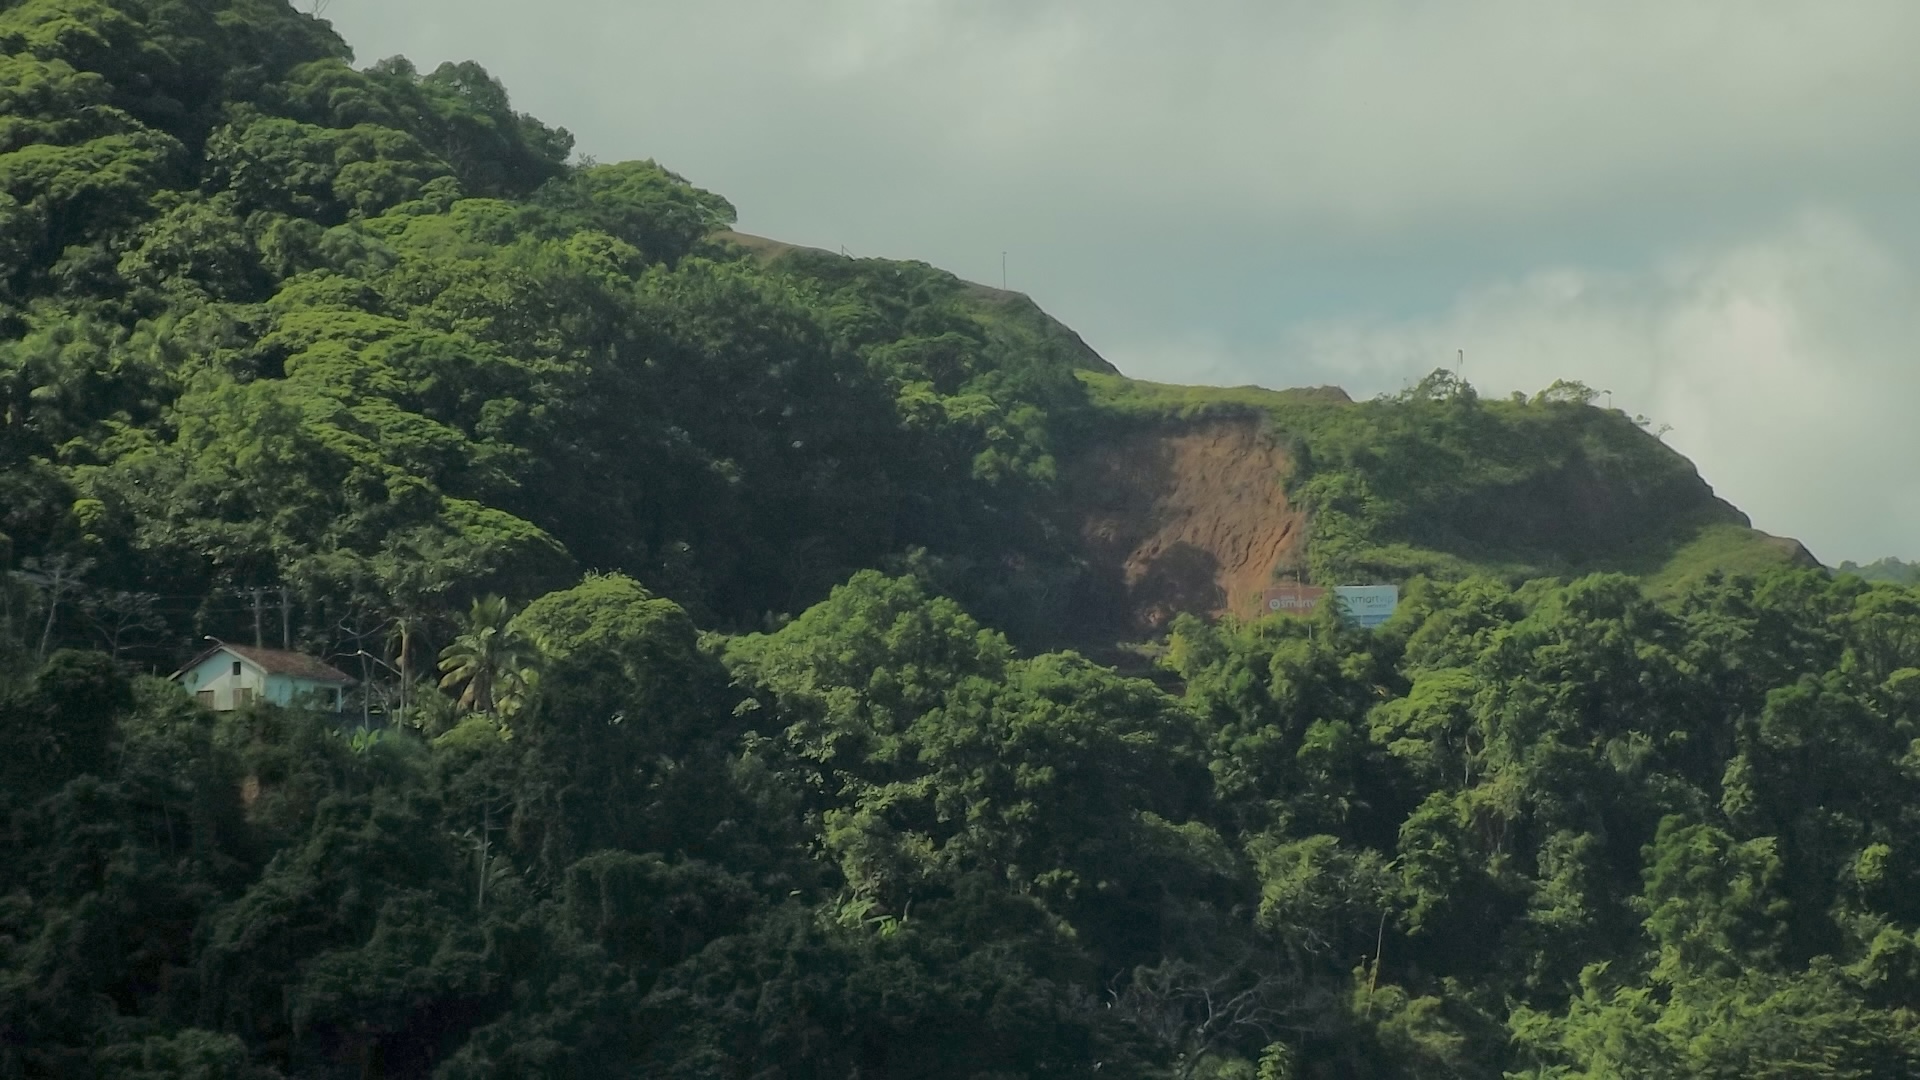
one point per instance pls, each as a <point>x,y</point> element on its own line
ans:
<point>280,662</point>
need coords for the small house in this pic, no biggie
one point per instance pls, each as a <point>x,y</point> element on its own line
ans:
<point>228,677</point>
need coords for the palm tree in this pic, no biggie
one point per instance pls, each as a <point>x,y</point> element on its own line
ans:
<point>492,661</point>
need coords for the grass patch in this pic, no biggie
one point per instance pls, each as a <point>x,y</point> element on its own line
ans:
<point>1726,549</point>
<point>1164,401</point>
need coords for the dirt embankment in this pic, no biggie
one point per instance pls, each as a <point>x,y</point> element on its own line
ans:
<point>1188,517</point>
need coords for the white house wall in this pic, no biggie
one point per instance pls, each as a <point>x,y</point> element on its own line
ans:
<point>215,673</point>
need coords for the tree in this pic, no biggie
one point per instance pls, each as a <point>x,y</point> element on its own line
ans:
<point>58,578</point>
<point>1201,1014</point>
<point>121,617</point>
<point>493,664</point>
<point>634,731</point>
<point>63,725</point>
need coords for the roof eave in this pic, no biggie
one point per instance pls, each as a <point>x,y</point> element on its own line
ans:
<point>198,660</point>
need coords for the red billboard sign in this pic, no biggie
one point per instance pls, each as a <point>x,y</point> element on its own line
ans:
<point>1291,599</point>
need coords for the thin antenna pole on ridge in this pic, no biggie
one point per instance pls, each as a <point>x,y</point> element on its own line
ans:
<point>1003,271</point>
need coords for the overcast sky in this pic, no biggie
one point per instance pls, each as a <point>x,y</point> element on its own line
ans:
<point>1707,208</point>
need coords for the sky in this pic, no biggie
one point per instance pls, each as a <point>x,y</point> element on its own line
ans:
<point>1705,209</point>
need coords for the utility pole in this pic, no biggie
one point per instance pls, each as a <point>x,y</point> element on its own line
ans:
<point>286,620</point>
<point>1461,363</point>
<point>259,639</point>
<point>1003,271</point>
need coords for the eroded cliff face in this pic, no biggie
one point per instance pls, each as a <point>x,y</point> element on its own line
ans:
<point>1182,517</point>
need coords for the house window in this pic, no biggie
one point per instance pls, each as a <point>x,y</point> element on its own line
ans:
<point>205,698</point>
<point>332,698</point>
<point>236,669</point>
<point>242,697</point>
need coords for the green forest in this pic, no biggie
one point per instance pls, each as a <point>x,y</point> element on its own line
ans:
<point>1894,571</point>
<point>725,705</point>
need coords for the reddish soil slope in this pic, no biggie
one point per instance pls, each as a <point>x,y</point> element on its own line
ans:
<point>1183,518</point>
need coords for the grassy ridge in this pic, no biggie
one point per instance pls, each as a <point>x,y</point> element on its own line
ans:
<point>1439,482</point>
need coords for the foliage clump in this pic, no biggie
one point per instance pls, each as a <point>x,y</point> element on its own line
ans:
<point>1558,830</point>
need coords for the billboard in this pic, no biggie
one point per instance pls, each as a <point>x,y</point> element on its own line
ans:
<point>1292,599</point>
<point>1367,606</point>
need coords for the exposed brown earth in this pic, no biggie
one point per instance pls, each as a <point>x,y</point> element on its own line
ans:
<point>1189,517</point>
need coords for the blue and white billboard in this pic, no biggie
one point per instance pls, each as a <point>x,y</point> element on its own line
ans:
<point>1367,606</point>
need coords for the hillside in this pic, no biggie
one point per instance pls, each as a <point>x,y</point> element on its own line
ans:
<point>365,336</point>
<point>740,642</point>
<point>997,307</point>
<point>1437,482</point>
<point>1192,499</point>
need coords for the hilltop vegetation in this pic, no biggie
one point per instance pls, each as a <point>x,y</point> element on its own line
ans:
<point>1436,481</point>
<point>1893,571</point>
<point>703,591</point>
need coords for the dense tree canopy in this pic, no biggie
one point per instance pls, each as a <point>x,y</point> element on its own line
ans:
<point>1552,831</point>
<point>273,320</point>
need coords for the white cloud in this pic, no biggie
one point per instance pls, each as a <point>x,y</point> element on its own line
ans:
<point>1784,365</point>
<point>1370,114</point>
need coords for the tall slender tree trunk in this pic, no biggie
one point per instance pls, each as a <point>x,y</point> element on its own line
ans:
<point>406,653</point>
<point>53,607</point>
